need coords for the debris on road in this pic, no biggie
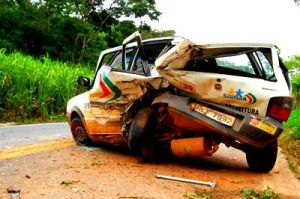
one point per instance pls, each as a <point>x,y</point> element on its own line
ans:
<point>68,182</point>
<point>211,184</point>
<point>11,189</point>
<point>75,190</point>
<point>15,196</point>
<point>15,193</point>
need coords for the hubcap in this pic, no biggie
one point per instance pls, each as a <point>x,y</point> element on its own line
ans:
<point>80,134</point>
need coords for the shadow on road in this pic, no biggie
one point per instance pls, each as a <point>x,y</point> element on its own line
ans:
<point>226,159</point>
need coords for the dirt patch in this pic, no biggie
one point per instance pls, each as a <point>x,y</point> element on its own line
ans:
<point>291,148</point>
<point>80,172</point>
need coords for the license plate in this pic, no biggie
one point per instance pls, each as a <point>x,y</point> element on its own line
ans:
<point>213,114</point>
<point>265,126</point>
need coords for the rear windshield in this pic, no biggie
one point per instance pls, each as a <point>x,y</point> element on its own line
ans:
<point>249,63</point>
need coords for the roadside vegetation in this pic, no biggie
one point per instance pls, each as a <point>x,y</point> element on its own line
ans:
<point>267,193</point>
<point>73,31</point>
<point>290,139</point>
<point>36,88</point>
<point>33,33</point>
<point>246,193</point>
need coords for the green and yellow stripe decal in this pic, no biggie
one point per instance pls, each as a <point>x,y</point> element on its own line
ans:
<point>110,91</point>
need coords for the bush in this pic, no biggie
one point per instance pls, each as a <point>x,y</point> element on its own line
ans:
<point>36,88</point>
<point>268,193</point>
<point>293,125</point>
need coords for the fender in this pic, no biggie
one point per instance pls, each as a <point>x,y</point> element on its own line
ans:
<point>76,111</point>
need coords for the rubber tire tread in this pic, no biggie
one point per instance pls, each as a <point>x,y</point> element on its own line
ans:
<point>74,124</point>
<point>262,160</point>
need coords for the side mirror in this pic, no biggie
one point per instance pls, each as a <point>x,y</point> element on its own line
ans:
<point>84,81</point>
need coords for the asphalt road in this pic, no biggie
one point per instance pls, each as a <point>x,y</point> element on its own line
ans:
<point>12,136</point>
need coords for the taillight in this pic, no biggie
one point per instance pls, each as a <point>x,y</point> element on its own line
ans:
<point>280,108</point>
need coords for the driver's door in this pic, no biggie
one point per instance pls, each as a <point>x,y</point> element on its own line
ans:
<point>116,87</point>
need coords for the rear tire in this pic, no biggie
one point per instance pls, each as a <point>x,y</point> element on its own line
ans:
<point>140,136</point>
<point>79,133</point>
<point>262,160</point>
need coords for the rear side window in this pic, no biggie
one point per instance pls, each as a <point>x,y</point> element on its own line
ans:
<point>239,65</point>
<point>266,66</point>
<point>245,62</point>
<point>237,62</point>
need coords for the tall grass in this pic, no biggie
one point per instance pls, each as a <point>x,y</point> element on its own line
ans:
<point>36,88</point>
<point>293,124</point>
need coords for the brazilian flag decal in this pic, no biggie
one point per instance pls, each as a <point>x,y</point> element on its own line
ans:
<point>110,91</point>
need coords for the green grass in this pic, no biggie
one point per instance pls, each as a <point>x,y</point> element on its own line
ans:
<point>36,88</point>
<point>267,193</point>
<point>293,125</point>
<point>289,141</point>
<point>198,194</point>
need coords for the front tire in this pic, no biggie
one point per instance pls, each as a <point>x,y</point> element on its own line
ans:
<point>262,160</point>
<point>79,133</point>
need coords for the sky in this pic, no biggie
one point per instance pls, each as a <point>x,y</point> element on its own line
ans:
<point>221,21</point>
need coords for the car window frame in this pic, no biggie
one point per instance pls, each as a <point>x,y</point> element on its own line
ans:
<point>118,50</point>
<point>117,53</point>
<point>269,59</point>
<point>251,55</point>
<point>99,66</point>
<point>131,61</point>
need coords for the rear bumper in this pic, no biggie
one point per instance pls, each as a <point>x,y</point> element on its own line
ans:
<point>242,130</point>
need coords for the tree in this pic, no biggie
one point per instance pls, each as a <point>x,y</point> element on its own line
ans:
<point>72,30</point>
<point>104,16</point>
<point>146,34</point>
<point>293,64</point>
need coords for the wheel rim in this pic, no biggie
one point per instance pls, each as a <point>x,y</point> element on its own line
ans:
<point>80,134</point>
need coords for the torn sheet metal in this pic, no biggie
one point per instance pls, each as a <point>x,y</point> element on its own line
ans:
<point>177,57</point>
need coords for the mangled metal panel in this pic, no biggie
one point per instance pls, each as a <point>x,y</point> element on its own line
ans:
<point>241,93</point>
<point>122,88</point>
<point>177,57</point>
<point>183,52</point>
<point>112,95</point>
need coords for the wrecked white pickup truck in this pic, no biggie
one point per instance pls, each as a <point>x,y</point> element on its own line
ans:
<point>187,98</point>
